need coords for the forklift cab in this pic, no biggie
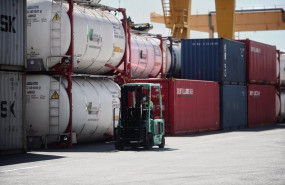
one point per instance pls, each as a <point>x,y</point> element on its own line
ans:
<point>140,123</point>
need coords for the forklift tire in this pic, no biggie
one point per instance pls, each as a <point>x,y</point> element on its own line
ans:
<point>118,146</point>
<point>162,143</point>
<point>149,143</point>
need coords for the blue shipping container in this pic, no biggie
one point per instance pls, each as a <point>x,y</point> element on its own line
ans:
<point>219,60</point>
<point>233,106</point>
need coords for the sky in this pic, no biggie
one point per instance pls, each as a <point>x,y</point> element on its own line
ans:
<point>139,11</point>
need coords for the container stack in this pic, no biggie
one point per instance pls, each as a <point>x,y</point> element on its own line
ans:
<point>12,77</point>
<point>223,61</point>
<point>261,83</point>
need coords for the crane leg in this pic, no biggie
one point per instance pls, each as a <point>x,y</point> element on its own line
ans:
<point>225,18</point>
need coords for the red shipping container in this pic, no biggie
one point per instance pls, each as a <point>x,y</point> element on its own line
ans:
<point>261,105</point>
<point>189,106</point>
<point>260,62</point>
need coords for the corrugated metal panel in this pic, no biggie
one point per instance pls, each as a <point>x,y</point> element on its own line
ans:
<point>194,106</point>
<point>219,60</point>
<point>189,106</point>
<point>12,131</point>
<point>261,105</point>
<point>233,102</point>
<point>261,62</point>
<point>12,34</point>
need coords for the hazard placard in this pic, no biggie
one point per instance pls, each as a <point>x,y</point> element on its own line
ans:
<point>56,17</point>
<point>55,95</point>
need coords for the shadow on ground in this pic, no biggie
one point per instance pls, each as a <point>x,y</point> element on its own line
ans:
<point>255,129</point>
<point>25,158</point>
<point>107,147</point>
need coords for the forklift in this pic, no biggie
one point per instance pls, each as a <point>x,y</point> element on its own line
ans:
<point>136,126</point>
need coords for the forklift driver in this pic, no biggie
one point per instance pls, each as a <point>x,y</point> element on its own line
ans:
<point>146,101</point>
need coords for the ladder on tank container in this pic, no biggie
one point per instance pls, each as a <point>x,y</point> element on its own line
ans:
<point>54,111</point>
<point>55,33</point>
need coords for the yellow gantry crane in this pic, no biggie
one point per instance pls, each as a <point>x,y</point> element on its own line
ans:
<point>177,16</point>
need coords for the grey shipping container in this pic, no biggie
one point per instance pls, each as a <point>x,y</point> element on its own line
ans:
<point>233,106</point>
<point>218,60</point>
<point>12,116</point>
<point>12,35</point>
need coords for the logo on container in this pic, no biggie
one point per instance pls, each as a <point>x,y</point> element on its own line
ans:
<point>254,93</point>
<point>6,23</point>
<point>184,92</point>
<point>255,50</point>
<point>7,109</point>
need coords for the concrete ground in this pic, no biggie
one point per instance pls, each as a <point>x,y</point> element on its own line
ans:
<point>249,156</point>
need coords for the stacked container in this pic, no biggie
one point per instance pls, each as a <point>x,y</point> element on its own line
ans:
<point>261,62</point>
<point>12,78</point>
<point>188,106</point>
<point>223,61</point>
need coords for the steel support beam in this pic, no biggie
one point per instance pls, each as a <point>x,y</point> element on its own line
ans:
<point>244,21</point>
<point>225,18</point>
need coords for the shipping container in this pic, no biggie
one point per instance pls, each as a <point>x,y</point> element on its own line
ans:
<point>261,105</point>
<point>12,35</point>
<point>219,60</point>
<point>12,127</point>
<point>233,106</point>
<point>260,62</point>
<point>188,106</point>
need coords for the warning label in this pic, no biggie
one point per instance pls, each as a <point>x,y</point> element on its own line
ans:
<point>55,95</point>
<point>56,17</point>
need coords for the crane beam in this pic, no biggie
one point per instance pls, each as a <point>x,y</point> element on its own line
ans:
<point>244,21</point>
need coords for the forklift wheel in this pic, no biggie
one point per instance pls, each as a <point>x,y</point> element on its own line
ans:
<point>149,143</point>
<point>162,143</point>
<point>118,146</point>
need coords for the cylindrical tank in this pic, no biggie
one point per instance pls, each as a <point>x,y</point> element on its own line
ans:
<point>278,104</point>
<point>282,105</point>
<point>39,97</point>
<point>172,60</point>
<point>166,58</point>
<point>146,56</point>
<point>277,66</point>
<point>99,37</point>
<point>175,68</point>
<point>282,70</point>
<point>93,102</point>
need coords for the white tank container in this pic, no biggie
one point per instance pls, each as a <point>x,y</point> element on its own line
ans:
<point>146,56</point>
<point>282,105</point>
<point>176,61</point>
<point>277,66</point>
<point>278,104</point>
<point>166,58</point>
<point>39,97</point>
<point>93,102</point>
<point>172,61</point>
<point>282,70</point>
<point>99,37</point>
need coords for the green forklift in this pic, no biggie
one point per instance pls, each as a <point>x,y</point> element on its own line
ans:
<point>136,126</point>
